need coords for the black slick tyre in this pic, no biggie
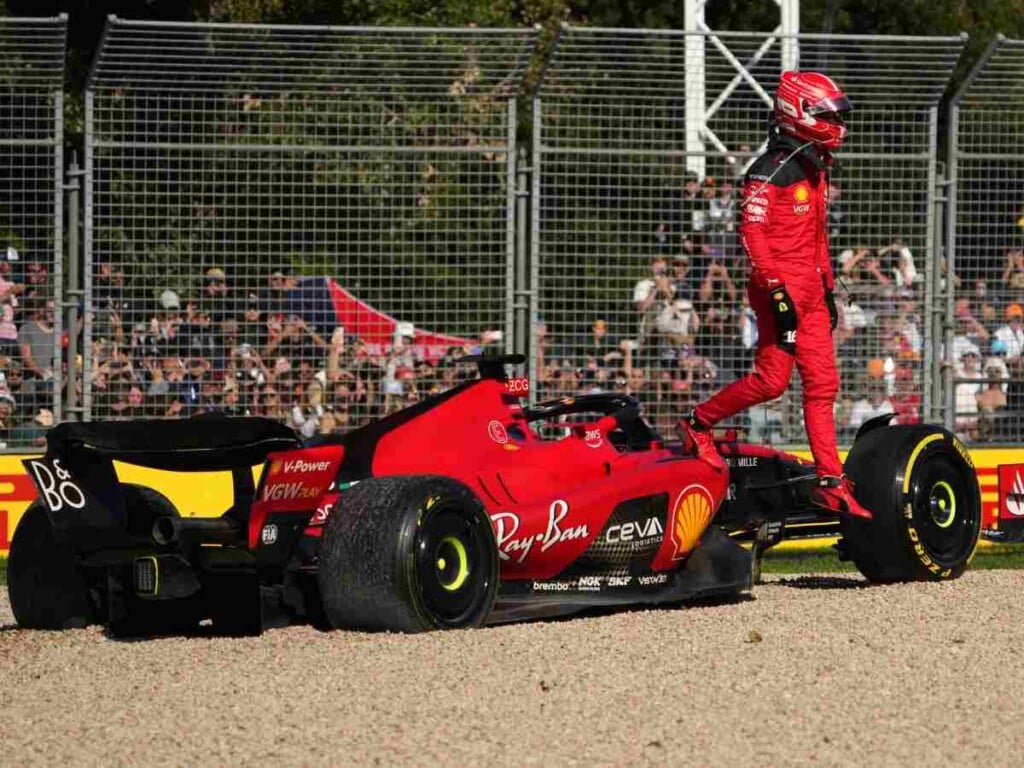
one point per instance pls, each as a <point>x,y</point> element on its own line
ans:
<point>46,588</point>
<point>920,485</point>
<point>408,554</point>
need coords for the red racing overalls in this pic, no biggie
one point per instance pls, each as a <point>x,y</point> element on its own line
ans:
<point>785,235</point>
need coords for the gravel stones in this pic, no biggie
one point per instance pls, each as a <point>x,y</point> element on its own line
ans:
<point>811,671</point>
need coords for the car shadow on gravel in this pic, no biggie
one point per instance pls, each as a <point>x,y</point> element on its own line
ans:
<point>600,611</point>
<point>821,582</point>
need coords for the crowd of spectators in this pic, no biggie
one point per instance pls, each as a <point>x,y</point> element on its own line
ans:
<point>240,350</point>
<point>238,343</point>
<point>692,330</point>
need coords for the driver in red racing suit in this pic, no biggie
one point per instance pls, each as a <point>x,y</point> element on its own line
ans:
<point>784,233</point>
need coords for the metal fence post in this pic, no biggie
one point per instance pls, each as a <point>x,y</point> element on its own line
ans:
<point>533,361</point>
<point>522,295</point>
<point>85,408</point>
<point>511,179</point>
<point>73,293</point>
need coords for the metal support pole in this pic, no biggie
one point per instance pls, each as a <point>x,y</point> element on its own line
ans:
<point>87,234</point>
<point>73,293</point>
<point>693,23</point>
<point>932,257</point>
<point>522,287</point>
<point>58,250</point>
<point>536,156</point>
<point>511,159</point>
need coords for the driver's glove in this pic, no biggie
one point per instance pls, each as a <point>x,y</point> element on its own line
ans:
<point>784,314</point>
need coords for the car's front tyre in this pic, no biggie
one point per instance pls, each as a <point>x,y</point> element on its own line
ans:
<point>919,483</point>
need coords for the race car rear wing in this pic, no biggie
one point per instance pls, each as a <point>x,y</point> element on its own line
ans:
<point>78,485</point>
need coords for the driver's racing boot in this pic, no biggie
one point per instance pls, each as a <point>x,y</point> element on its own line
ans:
<point>703,441</point>
<point>835,494</point>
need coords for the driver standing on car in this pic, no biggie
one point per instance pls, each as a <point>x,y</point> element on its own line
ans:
<point>784,231</point>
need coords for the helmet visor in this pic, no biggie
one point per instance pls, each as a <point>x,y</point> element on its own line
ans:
<point>839,107</point>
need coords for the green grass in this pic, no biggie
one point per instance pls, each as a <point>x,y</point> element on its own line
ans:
<point>998,556</point>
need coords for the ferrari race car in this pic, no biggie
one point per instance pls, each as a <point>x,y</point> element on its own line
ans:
<point>465,509</point>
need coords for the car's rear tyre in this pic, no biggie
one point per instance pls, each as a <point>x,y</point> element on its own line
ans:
<point>144,506</point>
<point>47,588</point>
<point>921,487</point>
<point>408,554</point>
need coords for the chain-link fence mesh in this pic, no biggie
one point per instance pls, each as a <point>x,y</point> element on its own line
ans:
<point>31,247</point>
<point>641,280</point>
<point>303,223</point>
<point>985,355</point>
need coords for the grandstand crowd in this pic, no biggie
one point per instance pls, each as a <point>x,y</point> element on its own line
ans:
<point>236,346</point>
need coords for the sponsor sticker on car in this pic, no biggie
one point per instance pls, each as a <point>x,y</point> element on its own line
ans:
<point>297,480</point>
<point>1011,491</point>
<point>512,545</point>
<point>690,516</point>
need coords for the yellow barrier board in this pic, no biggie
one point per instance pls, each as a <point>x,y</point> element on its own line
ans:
<point>208,494</point>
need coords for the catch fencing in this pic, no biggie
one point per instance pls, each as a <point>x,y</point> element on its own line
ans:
<point>307,223</point>
<point>32,53</point>
<point>985,329</point>
<point>639,278</point>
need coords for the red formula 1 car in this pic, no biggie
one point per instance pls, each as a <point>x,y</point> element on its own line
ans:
<point>465,509</point>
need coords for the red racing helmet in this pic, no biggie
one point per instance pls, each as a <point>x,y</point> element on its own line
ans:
<point>811,107</point>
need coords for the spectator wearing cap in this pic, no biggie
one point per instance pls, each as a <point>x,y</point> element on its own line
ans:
<point>164,325</point>
<point>1012,335</point>
<point>967,390</point>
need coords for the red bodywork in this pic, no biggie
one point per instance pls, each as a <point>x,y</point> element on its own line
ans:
<point>548,499</point>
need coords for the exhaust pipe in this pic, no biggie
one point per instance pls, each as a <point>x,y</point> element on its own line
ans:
<point>171,531</point>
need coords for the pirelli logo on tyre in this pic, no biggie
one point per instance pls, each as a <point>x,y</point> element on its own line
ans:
<point>689,518</point>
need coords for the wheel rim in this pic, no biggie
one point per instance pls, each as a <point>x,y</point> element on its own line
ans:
<point>942,501</point>
<point>942,510</point>
<point>452,563</point>
<point>452,566</point>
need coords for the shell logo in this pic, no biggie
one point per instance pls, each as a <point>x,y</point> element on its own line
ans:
<point>275,467</point>
<point>690,516</point>
<point>800,194</point>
